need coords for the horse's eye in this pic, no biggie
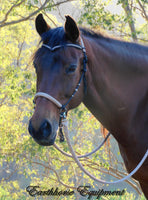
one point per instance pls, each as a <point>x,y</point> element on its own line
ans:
<point>71,69</point>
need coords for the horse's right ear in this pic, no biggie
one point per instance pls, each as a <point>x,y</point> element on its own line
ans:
<point>41,25</point>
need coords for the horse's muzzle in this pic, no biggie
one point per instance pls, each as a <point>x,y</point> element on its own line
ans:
<point>44,135</point>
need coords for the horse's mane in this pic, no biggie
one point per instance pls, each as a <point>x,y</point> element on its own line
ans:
<point>57,35</point>
<point>112,40</point>
<point>128,52</point>
<point>92,33</point>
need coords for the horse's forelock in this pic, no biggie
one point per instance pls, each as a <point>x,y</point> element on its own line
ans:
<point>54,37</point>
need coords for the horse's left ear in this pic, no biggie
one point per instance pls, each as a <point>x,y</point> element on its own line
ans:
<point>71,29</point>
<point>41,24</point>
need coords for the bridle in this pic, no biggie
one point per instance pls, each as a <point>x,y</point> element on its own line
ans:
<point>63,115</point>
<point>62,107</point>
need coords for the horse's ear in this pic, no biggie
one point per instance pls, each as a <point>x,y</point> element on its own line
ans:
<point>41,25</point>
<point>71,29</point>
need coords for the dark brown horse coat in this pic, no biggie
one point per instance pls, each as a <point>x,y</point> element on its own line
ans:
<point>117,88</point>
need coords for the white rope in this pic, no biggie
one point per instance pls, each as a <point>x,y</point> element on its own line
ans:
<point>90,175</point>
<point>47,96</point>
<point>85,155</point>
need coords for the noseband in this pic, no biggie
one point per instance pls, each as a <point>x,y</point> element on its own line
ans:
<point>62,107</point>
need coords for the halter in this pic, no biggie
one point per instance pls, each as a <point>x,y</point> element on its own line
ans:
<point>62,107</point>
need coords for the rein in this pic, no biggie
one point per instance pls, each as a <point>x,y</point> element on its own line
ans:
<point>90,175</point>
<point>64,124</point>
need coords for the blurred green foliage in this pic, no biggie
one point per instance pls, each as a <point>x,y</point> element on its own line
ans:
<point>22,161</point>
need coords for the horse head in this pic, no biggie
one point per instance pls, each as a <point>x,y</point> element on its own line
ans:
<point>59,65</point>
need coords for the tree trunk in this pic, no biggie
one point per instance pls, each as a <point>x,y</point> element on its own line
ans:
<point>128,11</point>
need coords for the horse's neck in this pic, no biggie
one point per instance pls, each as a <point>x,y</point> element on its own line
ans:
<point>113,89</point>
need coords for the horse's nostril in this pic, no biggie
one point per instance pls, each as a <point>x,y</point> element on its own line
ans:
<point>46,129</point>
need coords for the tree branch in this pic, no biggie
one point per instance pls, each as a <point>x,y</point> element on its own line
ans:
<point>129,35</point>
<point>9,11</point>
<point>20,51</point>
<point>9,176</point>
<point>58,178</point>
<point>143,9</point>
<point>33,13</point>
<point>2,100</point>
<point>50,19</point>
<point>25,18</point>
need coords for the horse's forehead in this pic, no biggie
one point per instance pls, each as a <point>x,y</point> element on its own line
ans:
<point>62,55</point>
<point>54,37</point>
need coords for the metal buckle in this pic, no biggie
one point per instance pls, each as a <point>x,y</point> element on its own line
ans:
<point>63,113</point>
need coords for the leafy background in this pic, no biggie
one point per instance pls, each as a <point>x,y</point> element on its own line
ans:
<point>22,161</point>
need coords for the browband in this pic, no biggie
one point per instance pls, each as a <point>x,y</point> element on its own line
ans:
<point>82,47</point>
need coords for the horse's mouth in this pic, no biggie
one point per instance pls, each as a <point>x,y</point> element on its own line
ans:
<point>46,142</point>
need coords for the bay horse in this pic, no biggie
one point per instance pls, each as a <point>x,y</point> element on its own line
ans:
<point>114,87</point>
